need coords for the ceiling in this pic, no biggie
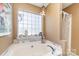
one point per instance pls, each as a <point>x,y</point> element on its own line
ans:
<point>40,4</point>
<point>66,5</point>
<point>45,4</point>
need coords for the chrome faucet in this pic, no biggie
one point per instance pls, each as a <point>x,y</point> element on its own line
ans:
<point>42,37</point>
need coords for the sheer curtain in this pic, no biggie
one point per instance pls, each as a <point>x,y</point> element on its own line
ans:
<point>66,29</point>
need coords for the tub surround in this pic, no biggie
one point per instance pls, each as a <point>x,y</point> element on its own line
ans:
<point>33,49</point>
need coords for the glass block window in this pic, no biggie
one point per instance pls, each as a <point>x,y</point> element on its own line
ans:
<point>30,22</point>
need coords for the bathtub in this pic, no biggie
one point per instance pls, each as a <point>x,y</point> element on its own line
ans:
<point>33,49</point>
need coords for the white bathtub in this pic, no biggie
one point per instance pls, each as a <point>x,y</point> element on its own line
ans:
<point>33,49</point>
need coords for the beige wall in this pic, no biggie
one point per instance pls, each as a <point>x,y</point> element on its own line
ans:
<point>22,6</point>
<point>74,10</point>
<point>53,24</point>
<point>5,42</point>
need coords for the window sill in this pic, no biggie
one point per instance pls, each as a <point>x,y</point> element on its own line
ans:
<point>4,34</point>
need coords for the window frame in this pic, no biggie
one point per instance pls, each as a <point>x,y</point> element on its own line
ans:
<point>27,22</point>
<point>10,22</point>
